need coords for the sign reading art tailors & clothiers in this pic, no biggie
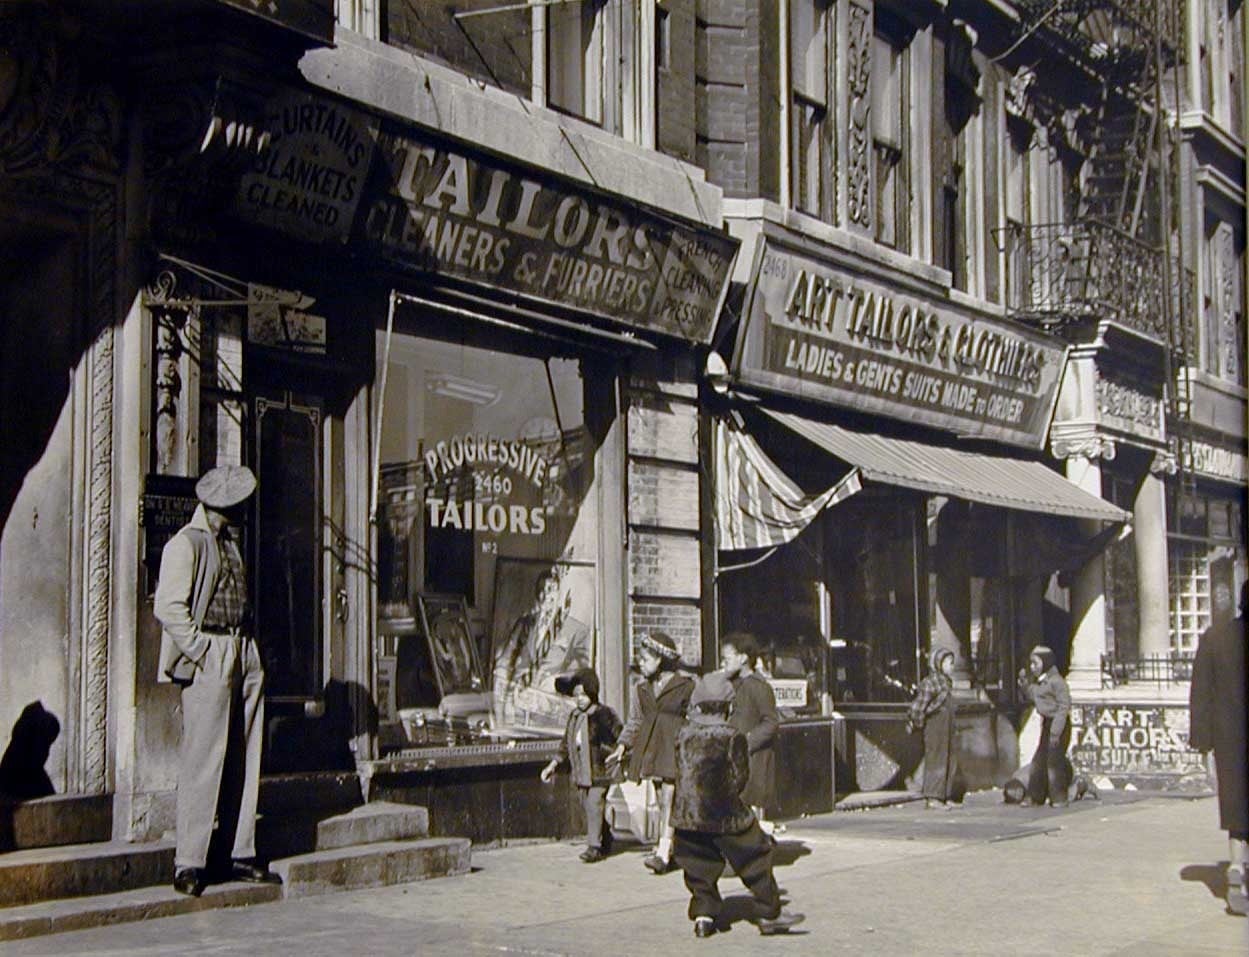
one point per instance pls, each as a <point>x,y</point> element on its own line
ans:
<point>819,330</point>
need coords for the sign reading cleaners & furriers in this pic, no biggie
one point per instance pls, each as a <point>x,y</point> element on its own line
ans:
<point>446,212</point>
<point>835,336</point>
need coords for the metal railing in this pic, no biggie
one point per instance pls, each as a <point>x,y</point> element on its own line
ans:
<point>1162,671</point>
<point>1061,272</point>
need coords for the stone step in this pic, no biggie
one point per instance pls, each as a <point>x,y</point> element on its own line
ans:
<point>80,870</point>
<point>145,903</point>
<point>55,821</point>
<point>288,834</point>
<point>373,865</point>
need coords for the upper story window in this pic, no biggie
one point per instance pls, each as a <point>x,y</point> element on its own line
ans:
<point>810,173</point>
<point>1222,334</point>
<point>890,120</point>
<point>575,61</point>
<point>1221,54</point>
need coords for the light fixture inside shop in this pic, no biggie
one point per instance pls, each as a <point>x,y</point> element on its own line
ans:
<point>462,388</point>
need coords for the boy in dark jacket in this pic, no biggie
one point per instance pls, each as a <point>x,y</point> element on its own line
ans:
<point>713,824</point>
<point>590,734</point>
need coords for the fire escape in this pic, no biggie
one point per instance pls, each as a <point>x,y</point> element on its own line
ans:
<point>1117,257</point>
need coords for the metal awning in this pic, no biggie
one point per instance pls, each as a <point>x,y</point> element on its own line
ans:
<point>973,476</point>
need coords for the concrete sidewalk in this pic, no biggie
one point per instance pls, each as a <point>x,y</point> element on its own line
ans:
<point>1137,877</point>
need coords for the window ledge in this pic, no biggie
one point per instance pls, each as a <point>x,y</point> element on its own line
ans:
<point>387,79</point>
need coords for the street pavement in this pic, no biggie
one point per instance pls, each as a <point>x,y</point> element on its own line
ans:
<point>1130,874</point>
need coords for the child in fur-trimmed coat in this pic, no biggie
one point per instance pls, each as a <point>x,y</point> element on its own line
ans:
<point>591,733</point>
<point>713,824</point>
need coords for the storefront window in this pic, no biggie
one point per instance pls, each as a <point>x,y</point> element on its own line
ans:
<point>486,542</point>
<point>1207,562</point>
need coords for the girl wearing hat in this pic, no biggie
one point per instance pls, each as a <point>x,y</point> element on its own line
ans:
<point>933,712</point>
<point>656,712</point>
<point>1050,775</point>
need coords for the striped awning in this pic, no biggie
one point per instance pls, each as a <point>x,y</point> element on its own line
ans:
<point>757,505</point>
<point>972,476</point>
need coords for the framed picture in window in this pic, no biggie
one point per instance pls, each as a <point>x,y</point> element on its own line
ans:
<point>444,621</point>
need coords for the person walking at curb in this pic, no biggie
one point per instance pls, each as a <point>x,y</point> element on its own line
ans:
<point>656,713</point>
<point>1049,777</point>
<point>714,826</point>
<point>754,715</point>
<point>1218,704</point>
<point>591,731</point>
<point>207,647</point>
<point>932,711</point>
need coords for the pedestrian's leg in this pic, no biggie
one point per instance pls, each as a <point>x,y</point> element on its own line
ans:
<point>700,860</point>
<point>750,854</point>
<point>252,738</point>
<point>1038,777</point>
<point>594,802</point>
<point>663,793</point>
<point>205,730</point>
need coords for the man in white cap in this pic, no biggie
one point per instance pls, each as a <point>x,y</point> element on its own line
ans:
<point>207,648</point>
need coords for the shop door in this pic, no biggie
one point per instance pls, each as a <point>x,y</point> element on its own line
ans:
<point>287,577</point>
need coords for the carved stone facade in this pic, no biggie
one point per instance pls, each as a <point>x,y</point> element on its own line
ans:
<point>859,115</point>
<point>59,144</point>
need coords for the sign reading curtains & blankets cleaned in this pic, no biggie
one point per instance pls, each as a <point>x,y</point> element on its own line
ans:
<point>827,333</point>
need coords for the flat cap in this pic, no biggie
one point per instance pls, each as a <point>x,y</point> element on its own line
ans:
<point>225,486</point>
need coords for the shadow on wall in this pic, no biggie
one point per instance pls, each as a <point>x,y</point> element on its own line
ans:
<point>22,772</point>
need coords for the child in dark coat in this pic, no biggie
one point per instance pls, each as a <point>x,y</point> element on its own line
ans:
<point>591,733</point>
<point>713,824</point>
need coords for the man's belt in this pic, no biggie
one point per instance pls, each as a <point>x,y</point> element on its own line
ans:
<point>235,631</point>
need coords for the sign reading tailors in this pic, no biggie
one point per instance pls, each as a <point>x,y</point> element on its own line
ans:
<point>443,211</point>
<point>831,335</point>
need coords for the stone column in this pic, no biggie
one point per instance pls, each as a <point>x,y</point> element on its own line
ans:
<point>1088,592</point>
<point>1149,524</point>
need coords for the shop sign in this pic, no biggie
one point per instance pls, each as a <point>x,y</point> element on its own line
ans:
<point>1123,407</point>
<point>498,468</point>
<point>169,501</point>
<point>1132,739</point>
<point>821,332</point>
<point>1217,462</point>
<point>309,180</point>
<point>442,211</point>
<point>789,692</point>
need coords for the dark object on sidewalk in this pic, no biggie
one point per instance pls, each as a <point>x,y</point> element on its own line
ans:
<point>658,865</point>
<point>253,873</point>
<point>704,927</point>
<point>189,881</point>
<point>780,924</point>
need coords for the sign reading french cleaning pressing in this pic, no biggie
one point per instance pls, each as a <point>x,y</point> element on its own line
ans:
<point>818,330</point>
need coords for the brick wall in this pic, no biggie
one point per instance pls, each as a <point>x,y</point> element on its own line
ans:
<point>736,65</point>
<point>665,585</point>
<point>674,93</point>
<point>495,47</point>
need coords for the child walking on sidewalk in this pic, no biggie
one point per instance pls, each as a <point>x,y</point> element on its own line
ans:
<point>591,732</point>
<point>713,824</point>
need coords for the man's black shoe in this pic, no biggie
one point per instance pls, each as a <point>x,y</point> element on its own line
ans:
<point>704,926</point>
<point>253,873</point>
<point>189,881</point>
<point>779,924</point>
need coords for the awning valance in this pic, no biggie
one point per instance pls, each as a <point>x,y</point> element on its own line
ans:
<point>973,476</point>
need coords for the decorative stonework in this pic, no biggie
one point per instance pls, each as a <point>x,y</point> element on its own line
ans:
<point>48,115</point>
<point>1127,407</point>
<point>170,321</point>
<point>1225,295</point>
<point>1163,464</point>
<point>859,104</point>
<point>1091,447</point>
<point>59,146</point>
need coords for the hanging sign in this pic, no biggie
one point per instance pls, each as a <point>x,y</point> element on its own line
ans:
<point>309,179</point>
<point>1132,739</point>
<point>821,331</point>
<point>443,211</point>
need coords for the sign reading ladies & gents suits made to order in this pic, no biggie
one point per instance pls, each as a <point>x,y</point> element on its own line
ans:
<point>825,333</point>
